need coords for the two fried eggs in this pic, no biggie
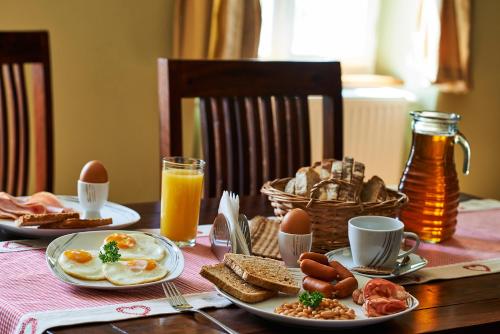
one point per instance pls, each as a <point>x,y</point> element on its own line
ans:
<point>139,262</point>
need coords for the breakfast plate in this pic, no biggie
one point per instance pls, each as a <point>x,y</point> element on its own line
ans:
<point>344,256</point>
<point>173,260</point>
<point>265,309</point>
<point>122,217</point>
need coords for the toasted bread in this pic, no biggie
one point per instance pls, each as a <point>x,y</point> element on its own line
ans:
<point>45,218</point>
<point>78,223</point>
<point>267,273</point>
<point>225,279</point>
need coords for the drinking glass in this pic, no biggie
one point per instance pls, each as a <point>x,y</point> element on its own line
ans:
<point>182,185</point>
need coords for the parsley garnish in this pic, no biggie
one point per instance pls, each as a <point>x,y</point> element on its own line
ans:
<point>311,298</point>
<point>110,252</point>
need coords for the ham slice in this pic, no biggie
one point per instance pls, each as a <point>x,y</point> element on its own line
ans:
<point>381,297</point>
<point>384,288</point>
<point>379,306</point>
<point>42,202</point>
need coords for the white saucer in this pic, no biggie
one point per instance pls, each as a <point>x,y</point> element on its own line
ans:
<point>344,256</point>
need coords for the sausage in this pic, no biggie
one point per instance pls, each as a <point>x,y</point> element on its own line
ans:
<point>312,284</point>
<point>342,271</point>
<point>345,287</point>
<point>321,258</point>
<point>318,270</point>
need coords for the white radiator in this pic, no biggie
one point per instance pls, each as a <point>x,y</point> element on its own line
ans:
<point>376,129</point>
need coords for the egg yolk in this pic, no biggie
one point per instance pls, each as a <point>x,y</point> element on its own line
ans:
<point>79,256</point>
<point>122,240</point>
<point>137,265</point>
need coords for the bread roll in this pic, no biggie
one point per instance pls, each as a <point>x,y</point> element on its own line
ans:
<point>305,179</point>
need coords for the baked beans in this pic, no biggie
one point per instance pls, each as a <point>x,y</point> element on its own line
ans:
<point>328,309</point>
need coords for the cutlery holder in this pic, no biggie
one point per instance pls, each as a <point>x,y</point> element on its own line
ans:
<point>329,217</point>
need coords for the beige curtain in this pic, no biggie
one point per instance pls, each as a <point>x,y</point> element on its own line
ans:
<point>216,29</point>
<point>444,28</point>
<point>212,29</point>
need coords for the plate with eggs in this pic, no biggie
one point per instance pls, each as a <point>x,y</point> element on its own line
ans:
<point>114,259</point>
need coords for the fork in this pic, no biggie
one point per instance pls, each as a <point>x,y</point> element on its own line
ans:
<point>245,228</point>
<point>178,302</point>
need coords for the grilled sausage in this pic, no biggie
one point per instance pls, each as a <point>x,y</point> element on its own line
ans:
<point>318,270</point>
<point>312,284</point>
<point>315,257</point>
<point>342,271</point>
<point>345,287</point>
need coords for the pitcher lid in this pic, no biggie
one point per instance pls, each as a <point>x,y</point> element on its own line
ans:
<point>435,116</point>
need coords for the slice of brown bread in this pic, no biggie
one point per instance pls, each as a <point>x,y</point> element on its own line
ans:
<point>45,218</point>
<point>266,273</point>
<point>227,280</point>
<point>78,223</point>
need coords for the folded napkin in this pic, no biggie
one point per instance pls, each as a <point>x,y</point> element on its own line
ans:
<point>230,206</point>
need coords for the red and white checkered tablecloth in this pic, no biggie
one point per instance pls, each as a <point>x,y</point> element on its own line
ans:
<point>31,297</point>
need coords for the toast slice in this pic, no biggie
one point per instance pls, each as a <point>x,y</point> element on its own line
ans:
<point>45,218</point>
<point>267,273</point>
<point>78,223</point>
<point>225,279</point>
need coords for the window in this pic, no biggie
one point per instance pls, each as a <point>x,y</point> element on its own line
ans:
<point>343,30</point>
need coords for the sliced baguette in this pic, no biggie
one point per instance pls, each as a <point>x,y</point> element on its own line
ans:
<point>225,279</point>
<point>267,273</point>
<point>45,218</point>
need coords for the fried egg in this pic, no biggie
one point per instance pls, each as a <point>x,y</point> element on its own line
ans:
<point>136,246</point>
<point>84,264</point>
<point>134,271</point>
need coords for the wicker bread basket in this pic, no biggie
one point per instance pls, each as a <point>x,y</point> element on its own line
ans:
<point>329,217</point>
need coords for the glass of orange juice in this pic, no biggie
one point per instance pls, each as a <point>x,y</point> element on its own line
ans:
<point>181,188</point>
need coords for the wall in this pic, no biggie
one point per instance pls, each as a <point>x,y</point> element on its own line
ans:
<point>480,108</point>
<point>104,86</point>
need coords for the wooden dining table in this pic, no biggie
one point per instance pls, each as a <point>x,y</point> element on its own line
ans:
<point>465,305</point>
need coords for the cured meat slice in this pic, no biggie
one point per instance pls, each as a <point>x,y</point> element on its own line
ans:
<point>40,203</point>
<point>379,306</point>
<point>50,201</point>
<point>381,297</point>
<point>384,288</point>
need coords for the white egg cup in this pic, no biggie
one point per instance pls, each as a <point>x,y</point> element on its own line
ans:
<point>292,245</point>
<point>92,197</point>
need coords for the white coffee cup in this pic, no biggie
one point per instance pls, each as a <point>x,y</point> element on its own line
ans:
<point>376,241</point>
<point>292,245</point>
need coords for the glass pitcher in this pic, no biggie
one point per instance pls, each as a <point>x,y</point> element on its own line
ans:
<point>430,179</point>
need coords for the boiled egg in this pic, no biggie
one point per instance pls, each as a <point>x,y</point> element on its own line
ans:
<point>136,246</point>
<point>134,271</point>
<point>80,263</point>
<point>296,221</point>
<point>94,172</point>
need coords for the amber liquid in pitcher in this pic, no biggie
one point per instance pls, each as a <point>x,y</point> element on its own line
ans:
<point>431,184</point>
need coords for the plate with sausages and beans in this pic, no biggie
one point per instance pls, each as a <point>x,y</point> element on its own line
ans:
<point>320,293</point>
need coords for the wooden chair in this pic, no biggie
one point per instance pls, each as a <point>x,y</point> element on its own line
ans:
<point>254,117</point>
<point>16,50</point>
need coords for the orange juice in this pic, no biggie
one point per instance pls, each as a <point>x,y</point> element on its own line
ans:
<point>180,204</point>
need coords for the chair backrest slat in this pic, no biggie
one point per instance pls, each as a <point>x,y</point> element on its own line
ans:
<point>254,144</point>
<point>18,49</point>
<point>243,155</point>
<point>4,133</point>
<point>254,117</point>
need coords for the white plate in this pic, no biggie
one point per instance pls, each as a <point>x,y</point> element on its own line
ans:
<point>344,256</point>
<point>173,261</point>
<point>122,217</point>
<point>266,308</point>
